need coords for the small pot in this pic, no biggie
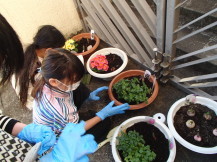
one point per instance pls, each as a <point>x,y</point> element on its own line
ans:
<point>130,122</point>
<point>87,35</point>
<point>171,114</point>
<point>106,51</point>
<point>130,73</point>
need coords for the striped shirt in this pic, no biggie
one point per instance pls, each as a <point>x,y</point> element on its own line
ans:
<point>55,109</point>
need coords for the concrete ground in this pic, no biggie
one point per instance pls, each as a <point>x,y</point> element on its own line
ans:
<point>167,95</point>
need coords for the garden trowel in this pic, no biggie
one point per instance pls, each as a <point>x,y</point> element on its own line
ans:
<point>108,138</point>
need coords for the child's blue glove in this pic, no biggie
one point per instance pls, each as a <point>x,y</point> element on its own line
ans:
<point>93,95</point>
<point>71,145</point>
<point>111,110</point>
<point>34,133</point>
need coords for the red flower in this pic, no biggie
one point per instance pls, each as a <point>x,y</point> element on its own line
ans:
<point>99,62</point>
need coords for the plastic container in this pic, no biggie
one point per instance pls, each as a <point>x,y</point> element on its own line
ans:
<point>128,123</point>
<point>106,51</point>
<point>172,112</point>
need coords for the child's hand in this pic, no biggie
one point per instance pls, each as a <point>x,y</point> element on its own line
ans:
<point>93,95</point>
<point>111,110</point>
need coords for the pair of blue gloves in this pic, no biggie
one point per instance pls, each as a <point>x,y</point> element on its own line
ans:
<point>72,144</point>
<point>109,110</point>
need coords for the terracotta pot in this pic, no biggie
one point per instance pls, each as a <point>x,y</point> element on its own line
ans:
<point>131,73</point>
<point>87,35</point>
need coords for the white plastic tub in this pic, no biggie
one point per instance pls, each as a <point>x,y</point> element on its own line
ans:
<point>172,112</point>
<point>106,51</point>
<point>128,123</point>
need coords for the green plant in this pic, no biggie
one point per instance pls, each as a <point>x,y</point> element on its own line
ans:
<point>133,148</point>
<point>132,90</point>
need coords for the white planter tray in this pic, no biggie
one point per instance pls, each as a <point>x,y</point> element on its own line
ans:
<point>106,51</point>
<point>128,123</point>
<point>174,108</point>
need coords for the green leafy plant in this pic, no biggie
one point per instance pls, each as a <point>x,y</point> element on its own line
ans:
<point>133,148</point>
<point>132,90</point>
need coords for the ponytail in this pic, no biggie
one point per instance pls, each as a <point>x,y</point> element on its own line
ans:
<point>37,90</point>
<point>31,63</point>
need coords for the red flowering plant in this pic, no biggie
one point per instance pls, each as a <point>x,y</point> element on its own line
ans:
<point>99,63</point>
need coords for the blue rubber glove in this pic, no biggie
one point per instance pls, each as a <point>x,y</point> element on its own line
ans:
<point>111,110</point>
<point>72,145</point>
<point>93,95</point>
<point>33,133</point>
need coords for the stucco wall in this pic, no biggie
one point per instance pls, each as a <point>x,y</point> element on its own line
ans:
<point>27,15</point>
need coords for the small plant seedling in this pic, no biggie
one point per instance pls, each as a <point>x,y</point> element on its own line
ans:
<point>133,147</point>
<point>190,124</point>
<point>197,137</point>
<point>207,116</point>
<point>191,112</point>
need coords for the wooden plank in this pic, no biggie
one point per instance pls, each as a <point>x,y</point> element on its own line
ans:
<point>201,77</point>
<point>196,91</point>
<point>97,30</point>
<point>125,31</point>
<point>110,27</point>
<point>196,52</point>
<point>89,10</point>
<point>135,24</point>
<point>147,14</point>
<point>195,32</point>
<point>210,58</point>
<point>203,85</point>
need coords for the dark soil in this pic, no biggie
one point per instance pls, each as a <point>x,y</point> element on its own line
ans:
<point>202,126</point>
<point>154,138</point>
<point>84,43</point>
<point>114,62</point>
<point>142,79</point>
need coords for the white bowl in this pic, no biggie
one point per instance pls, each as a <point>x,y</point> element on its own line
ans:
<point>128,123</point>
<point>170,116</point>
<point>106,51</point>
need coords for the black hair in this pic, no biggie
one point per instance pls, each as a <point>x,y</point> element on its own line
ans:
<point>59,64</point>
<point>46,37</point>
<point>11,51</point>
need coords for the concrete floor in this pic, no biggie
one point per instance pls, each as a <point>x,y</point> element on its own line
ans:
<point>168,94</point>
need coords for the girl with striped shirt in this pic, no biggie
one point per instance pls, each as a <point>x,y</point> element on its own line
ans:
<point>54,104</point>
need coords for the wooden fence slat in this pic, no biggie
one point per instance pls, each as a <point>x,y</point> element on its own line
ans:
<point>126,33</point>
<point>147,14</point>
<point>200,77</point>
<point>110,27</point>
<point>210,58</point>
<point>136,25</point>
<point>87,7</point>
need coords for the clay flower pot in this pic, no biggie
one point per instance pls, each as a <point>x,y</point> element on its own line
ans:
<point>149,120</point>
<point>87,35</point>
<point>170,121</point>
<point>127,74</point>
<point>106,51</point>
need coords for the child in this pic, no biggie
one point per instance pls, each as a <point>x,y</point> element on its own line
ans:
<point>46,37</point>
<point>53,105</point>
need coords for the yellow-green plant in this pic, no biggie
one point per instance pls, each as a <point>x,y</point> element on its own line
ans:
<point>71,45</point>
<point>133,148</point>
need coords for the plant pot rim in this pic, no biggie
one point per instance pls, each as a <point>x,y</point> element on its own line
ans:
<point>131,121</point>
<point>130,73</point>
<point>87,35</point>
<point>172,111</point>
<point>106,51</point>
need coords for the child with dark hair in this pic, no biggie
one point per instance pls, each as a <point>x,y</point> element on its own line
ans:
<point>54,104</point>
<point>46,37</point>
